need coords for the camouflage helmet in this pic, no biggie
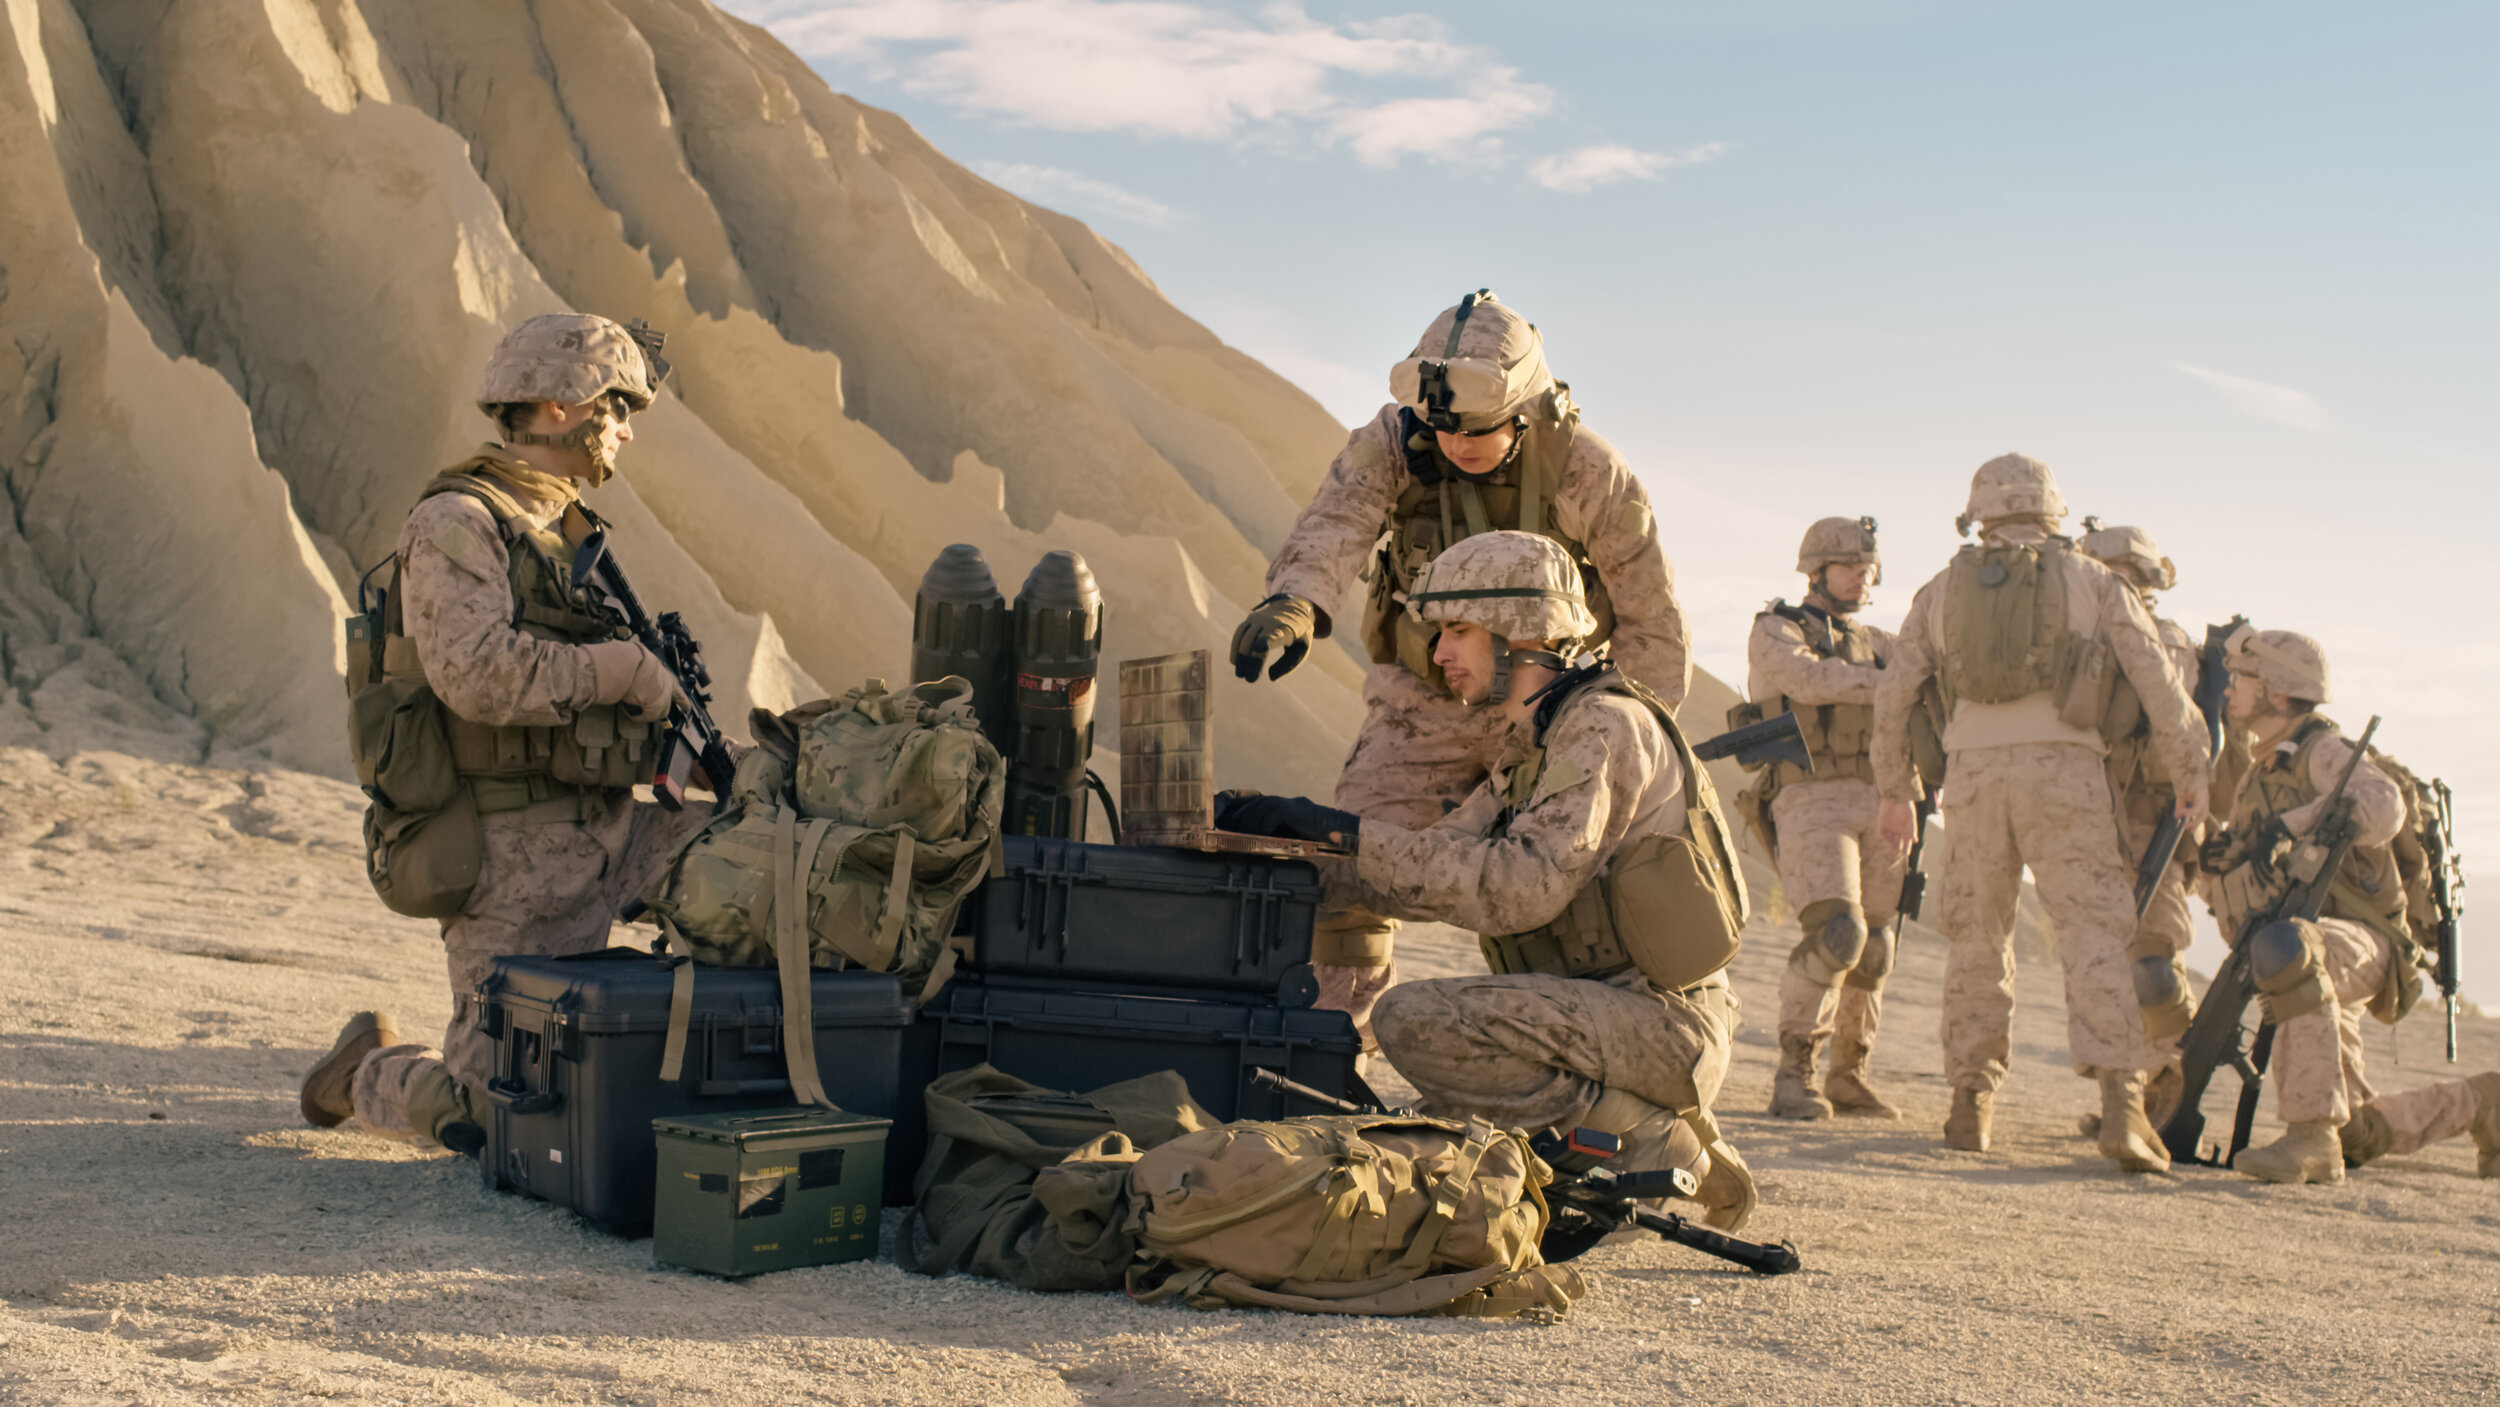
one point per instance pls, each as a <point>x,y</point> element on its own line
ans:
<point>1846,541</point>
<point>2011,486</point>
<point>2130,552</point>
<point>2285,661</point>
<point>570,358</point>
<point>1520,586</point>
<point>1478,365</point>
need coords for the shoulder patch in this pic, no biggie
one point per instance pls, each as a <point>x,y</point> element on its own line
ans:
<point>1559,776</point>
<point>452,530</point>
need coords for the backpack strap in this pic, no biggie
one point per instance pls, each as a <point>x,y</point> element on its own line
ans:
<point>791,846</point>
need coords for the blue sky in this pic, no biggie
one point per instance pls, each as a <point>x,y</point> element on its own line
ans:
<point>2229,269</point>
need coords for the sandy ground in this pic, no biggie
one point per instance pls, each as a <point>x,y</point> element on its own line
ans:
<point>187,940</point>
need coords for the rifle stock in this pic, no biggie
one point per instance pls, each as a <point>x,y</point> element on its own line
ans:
<point>1759,744</point>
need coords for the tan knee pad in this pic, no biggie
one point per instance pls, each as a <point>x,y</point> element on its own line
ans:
<point>2286,962</point>
<point>1875,963</point>
<point>1353,938</point>
<point>1835,938</point>
<point>2161,991</point>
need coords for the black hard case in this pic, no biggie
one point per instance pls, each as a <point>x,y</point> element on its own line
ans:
<point>576,1079</point>
<point>1082,1040</point>
<point>1144,919</point>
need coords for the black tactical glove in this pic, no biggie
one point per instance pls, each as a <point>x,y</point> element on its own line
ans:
<point>2225,851</point>
<point>1284,624</point>
<point>2217,855</point>
<point>1287,817</point>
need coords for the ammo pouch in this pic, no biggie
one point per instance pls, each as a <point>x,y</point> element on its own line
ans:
<point>1659,907</point>
<point>603,749</point>
<point>399,734</point>
<point>425,863</point>
<point>2401,989</point>
<point>2088,683</point>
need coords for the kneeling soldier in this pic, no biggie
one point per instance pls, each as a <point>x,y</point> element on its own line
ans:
<point>2317,979</point>
<point>551,718</point>
<point>1594,863</point>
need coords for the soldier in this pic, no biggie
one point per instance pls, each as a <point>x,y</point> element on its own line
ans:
<point>2021,633</point>
<point>536,692</point>
<point>1625,1028</point>
<point>1813,660</point>
<point>2141,789</point>
<point>1481,437</point>
<point>2316,979</point>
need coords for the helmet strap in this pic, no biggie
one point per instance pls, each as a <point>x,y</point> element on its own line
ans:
<point>590,437</point>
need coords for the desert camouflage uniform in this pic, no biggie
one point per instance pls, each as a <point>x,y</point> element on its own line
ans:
<point>1828,847</point>
<point>1420,750</point>
<point>2143,797</point>
<point>555,871</point>
<point>2028,789</point>
<point>1530,1050</point>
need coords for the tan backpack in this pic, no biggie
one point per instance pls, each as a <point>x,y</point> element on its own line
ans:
<point>1346,1214</point>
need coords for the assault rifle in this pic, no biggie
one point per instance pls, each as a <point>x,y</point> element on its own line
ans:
<point>1914,879</point>
<point>1589,1201</point>
<point>689,738</point>
<point>2211,680</point>
<point>2214,1038</point>
<point>1759,744</point>
<point>2447,878</point>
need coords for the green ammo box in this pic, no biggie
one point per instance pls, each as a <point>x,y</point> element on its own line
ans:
<point>768,1189</point>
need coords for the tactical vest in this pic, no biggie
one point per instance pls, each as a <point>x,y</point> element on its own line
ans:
<point>506,767</point>
<point>1438,507</point>
<point>1671,905</point>
<point>2367,890</point>
<point>2005,624</point>
<point>1838,736</point>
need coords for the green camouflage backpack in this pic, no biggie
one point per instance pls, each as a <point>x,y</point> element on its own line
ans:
<point>861,824</point>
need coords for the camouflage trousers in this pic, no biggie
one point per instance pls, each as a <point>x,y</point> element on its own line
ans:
<point>1419,753</point>
<point>1535,1051</point>
<point>1828,849</point>
<point>2317,1070</point>
<point>550,886</point>
<point>2168,925</point>
<point>2418,1118</point>
<point>2047,806</point>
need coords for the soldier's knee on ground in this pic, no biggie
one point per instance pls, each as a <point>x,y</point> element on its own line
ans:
<point>439,1108</point>
<point>1835,938</point>
<point>2286,963</point>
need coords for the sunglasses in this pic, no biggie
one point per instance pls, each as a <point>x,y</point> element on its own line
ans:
<point>1514,423</point>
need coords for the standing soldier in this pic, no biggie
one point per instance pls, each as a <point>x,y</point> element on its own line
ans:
<point>1844,882</point>
<point>2026,639</point>
<point>2140,787</point>
<point>547,717</point>
<point>1481,438</point>
<point>2316,979</point>
<point>1595,866</point>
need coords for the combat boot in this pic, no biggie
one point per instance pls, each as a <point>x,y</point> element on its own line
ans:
<point>2486,1125</point>
<point>2308,1151</point>
<point>1655,1136</point>
<point>1727,1193</point>
<point>1793,1094</point>
<point>327,1097</point>
<point>2127,1136</point>
<point>1846,1085</point>
<point>1966,1127</point>
<point>2161,1100</point>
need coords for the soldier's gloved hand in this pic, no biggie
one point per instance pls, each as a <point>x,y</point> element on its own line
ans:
<point>623,672</point>
<point>1289,817</point>
<point>1228,806</point>
<point>2270,847</point>
<point>2219,854</point>
<point>1283,624</point>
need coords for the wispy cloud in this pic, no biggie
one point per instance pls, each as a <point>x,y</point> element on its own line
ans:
<point>1583,170</point>
<point>1382,89</point>
<point>2262,399</point>
<point>1053,186</point>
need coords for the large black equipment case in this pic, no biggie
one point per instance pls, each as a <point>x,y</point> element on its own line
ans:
<point>576,1080</point>
<point>1082,1040</point>
<point>1064,914</point>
